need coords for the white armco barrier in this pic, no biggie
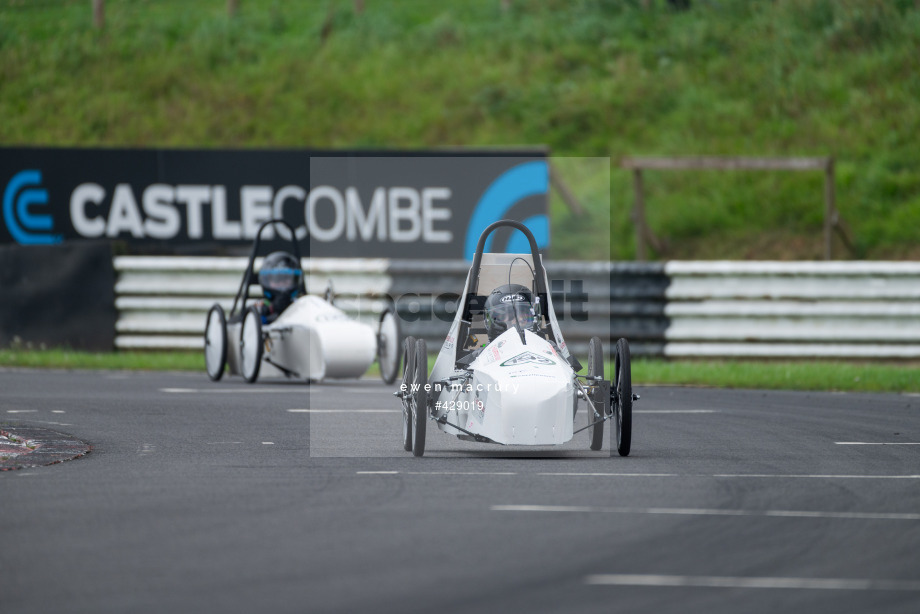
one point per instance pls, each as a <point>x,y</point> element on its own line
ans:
<point>793,309</point>
<point>162,301</point>
<point>861,310</point>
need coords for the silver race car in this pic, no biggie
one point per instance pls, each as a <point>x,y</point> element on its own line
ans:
<point>521,386</point>
<point>289,333</point>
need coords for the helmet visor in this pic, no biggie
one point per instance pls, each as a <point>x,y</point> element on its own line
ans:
<point>280,280</point>
<point>509,314</point>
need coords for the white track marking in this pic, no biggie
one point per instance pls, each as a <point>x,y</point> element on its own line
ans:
<point>218,390</point>
<point>671,475</point>
<point>57,411</point>
<point>22,411</point>
<point>741,582</point>
<point>819,477</point>
<point>460,473</point>
<point>268,443</point>
<point>345,411</point>
<point>676,511</point>
<point>313,389</point>
<point>615,475</point>
<point>877,443</point>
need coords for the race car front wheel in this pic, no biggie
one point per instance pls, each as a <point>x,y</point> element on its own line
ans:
<point>406,390</point>
<point>215,343</point>
<point>596,369</point>
<point>622,386</point>
<point>420,406</point>
<point>251,345</point>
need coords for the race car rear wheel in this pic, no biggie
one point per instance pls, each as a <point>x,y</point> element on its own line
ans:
<point>388,334</point>
<point>405,388</point>
<point>622,386</point>
<point>251,345</point>
<point>215,343</point>
<point>420,407</point>
<point>596,369</point>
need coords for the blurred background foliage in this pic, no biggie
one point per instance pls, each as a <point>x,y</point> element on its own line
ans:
<point>591,78</point>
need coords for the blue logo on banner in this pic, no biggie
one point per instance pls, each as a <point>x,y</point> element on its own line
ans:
<point>514,185</point>
<point>26,227</point>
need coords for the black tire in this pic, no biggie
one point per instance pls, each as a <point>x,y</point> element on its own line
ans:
<point>595,369</point>
<point>622,387</point>
<point>215,343</point>
<point>388,336</point>
<point>420,407</point>
<point>407,399</point>
<point>251,345</point>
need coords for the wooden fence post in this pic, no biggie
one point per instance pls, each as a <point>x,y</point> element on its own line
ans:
<point>99,14</point>
<point>639,215</point>
<point>556,180</point>
<point>830,209</point>
<point>832,219</point>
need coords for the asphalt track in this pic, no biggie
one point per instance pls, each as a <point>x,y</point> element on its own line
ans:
<point>202,497</point>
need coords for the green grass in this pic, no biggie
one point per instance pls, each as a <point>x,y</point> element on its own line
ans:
<point>803,375</point>
<point>71,359</point>
<point>586,77</point>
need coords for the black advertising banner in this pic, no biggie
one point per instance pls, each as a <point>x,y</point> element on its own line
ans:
<point>341,204</point>
<point>61,295</point>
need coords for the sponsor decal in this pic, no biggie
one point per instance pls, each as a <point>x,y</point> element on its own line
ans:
<point>513,298</point>
<point>160,211</point>
<point>23,194</point>
<point>527,358</point>
<point>511,187</point>
<point>384,205</point>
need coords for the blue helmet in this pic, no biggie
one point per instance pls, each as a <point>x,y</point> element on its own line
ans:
<point>280,277</point>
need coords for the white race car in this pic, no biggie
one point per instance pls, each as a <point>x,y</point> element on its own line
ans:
<point>295,335</point>
<point>522,387</point>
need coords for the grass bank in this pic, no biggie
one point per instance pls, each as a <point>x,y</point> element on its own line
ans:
<point>587,77</point>
<point>70,359</point>
<point>799,375</point>
<point>803,375</point>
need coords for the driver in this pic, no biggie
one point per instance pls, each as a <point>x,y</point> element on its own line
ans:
<point>281,280</point>
<point>510,305</point>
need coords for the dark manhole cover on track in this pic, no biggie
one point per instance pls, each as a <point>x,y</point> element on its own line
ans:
<point>26,446</point>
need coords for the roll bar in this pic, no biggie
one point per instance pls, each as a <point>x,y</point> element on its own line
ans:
<point>539,272</point>
<point>249,277</point>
